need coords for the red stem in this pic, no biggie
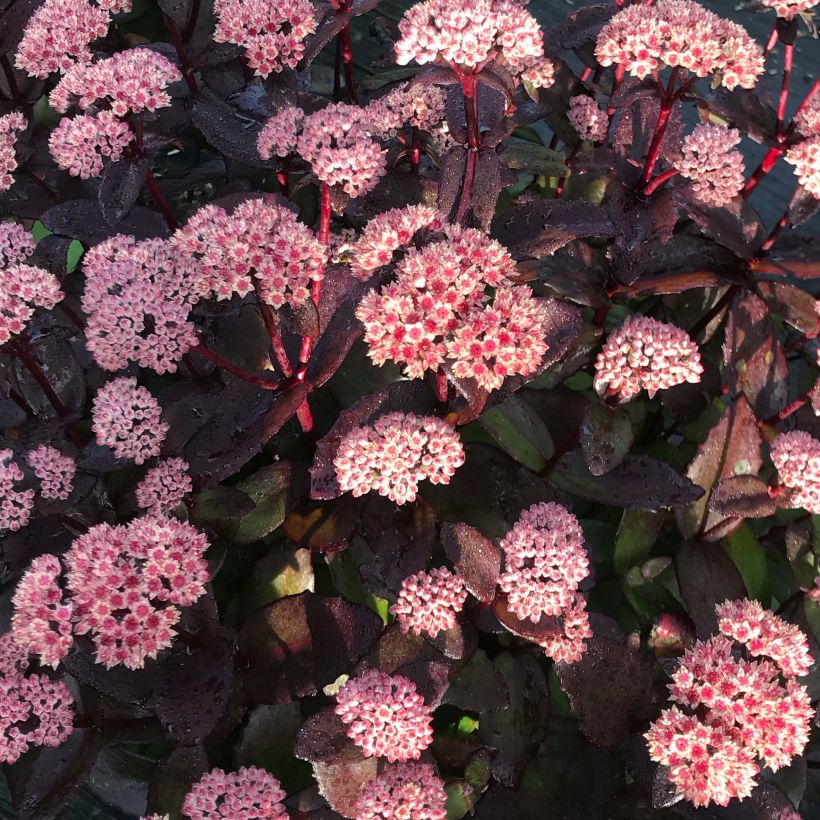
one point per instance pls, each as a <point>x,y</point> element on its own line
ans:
<point>659,180</point>
<point>766,164</point>
<point>274,335</point>
<point>788,59</point>
<point>40,183</point>
<point>347,60</point>
<point>184,64</point>
<point>230,367</point>
<point>772,41</point>
<point>620,70</point>
<point>789,409</point>
<point>415,150</point>
<point>469,88</point>
<point>442,387</point>
<point>559,188</point>
<point>807,99</point>
<point>161,201</point>
<point>667,101</point>
<point>284,184</point>
<point>776,231</point>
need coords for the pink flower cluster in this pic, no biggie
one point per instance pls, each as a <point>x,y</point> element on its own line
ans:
<point>248,792</point>
<point>680,33</point>
<point>80,145</point>
<point>729,712</point>
<point>807,120</point>
<point>568,644</point>
<point>55,471</point>
<point>164,486</point>
<point>10,127</point>
<point>789,9</point>
<point>403,790</point>
<point>15,505</point>
<point>644,354</point>
<point>796,457</point>
<point>130,81</point>
<point>389,232</point>
<point>805,157</point>
<point>34,711</point>
<point>544,561</point>
<point>471,34</point>
<point>420,106</point>
<point>386,716</point>
<point>138,297</point>
<point>13,658</point>
<point>42,619</point>
<point>59,33</point>
<point>395,453</point>
<point>335,141</point>
<point>439,310</point>
<point>588,118</point>
<point>428,602</point>
<point>260,244</point>
<point>271,32</point>
<point>22,288</point>
<point>766,635</point>
<point>709,159</point>
<point>16,244</point>
<point>128,419</point>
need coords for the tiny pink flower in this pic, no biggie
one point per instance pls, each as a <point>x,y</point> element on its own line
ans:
<point>386,716</point>
<point>10,127</point>
<point>428,602</point>
<point>164,486</point>
<point>16,243</point>
<point>15,505</point>
<point>247,793</point>
<point>805,157</point>
<point>588,118</point>
<point>13,657</point>
<point>796,457</point>
<point>128,419</point>
<point>80,145</point>
<point>709,159</point>
<point>55,471</point>
<point>419,106</point>
<point>22,288</point>
<point>403,790</point>
<point>569,643</point>
<point>789,9</point>
<point>807,120</point>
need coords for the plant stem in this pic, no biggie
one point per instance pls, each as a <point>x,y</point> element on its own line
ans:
<point>40,183</point>
<point>559,188</point>
<point>766,164</point>
<point>274,335</point>
<point>179,47</point>
<point>776,231</point>
<point>790,409</point>
<point>772,41</point>
<point>161,201</point>
<point>659,180</point>
<point>721,303</point>
<point>442,387</point>
<point>667,101</point>
<point>347,60</point>
<point>8,70</point>
<point>284,184</point>
<point>788,59</point>
<point>230,367</point>
<point>469,88</point>
<point>415,150</point>
<point>620,70</point>
<point>808,98</point>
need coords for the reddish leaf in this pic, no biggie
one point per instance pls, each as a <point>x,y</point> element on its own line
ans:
<point>546,627</point>
<point>742,496</point>
<point>324,527</point>
<point>475,558</point>
<point>323,739</point>
<point>736,225</point>
<point>342,783</point>
<point>606,436</point>
<point>793,305</point>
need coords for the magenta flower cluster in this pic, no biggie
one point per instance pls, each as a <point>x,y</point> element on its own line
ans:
<point>796,457</point>
<point>10,127</point>
<point>588,118</point>
<point>428,602</point>
<point>164,486</point>
<point>248,792</point>
<point>55,471</point>
<point>403,790</point>
<point>711,162</point>
<point>15,504</point>
<point>82,144</point>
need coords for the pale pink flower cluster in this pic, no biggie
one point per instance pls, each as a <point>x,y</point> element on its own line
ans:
<point>428,602</point>
<point>34,711</point>
<point>260,243</point>
<point>389,232</point>
<point>805,157</point>
<point>403,790</point>
<point>128,419</point>
<point>544,561</point>
<point>138,297</point>
<point>164,486</point>
<point>80,145</point>
<point>588,118</point>
<point>680,33</point>
<point>710,160</point>
<point>645,354</point>
<point>471,34</point>
<point>396,452</point>
<point>42,619</point>
<point>248,792</point>
<point>55,471</point>
<point>438,309</point>
<point>59,33</point>
<point>272,32</point>
<point>764,634</point>
<point>15,505</point>
<point>568,644</point>
<point>10,127</point>
<point>796,457</point>
<point>22,288</point>
<point>129,82</point>
<point>16,244</point>
<point>789,9</point>
<point>335,141</point>
<point>420,106</point>
<point>729,713</point>
<point>386,716</point>
<point>807,120</point>
<point>13,657</point>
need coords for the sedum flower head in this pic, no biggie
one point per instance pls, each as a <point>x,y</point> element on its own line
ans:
<point>420,106</point>
<point>15,505</point>
<point>385,715</point>
<point>428,602</point>
<point>55,471</point>
<point>544,561</point>
<point>42,619</point>
<point>807,120</point>
<point>16,244</point>
<point>403,790</point>
<point>59,33</point>
<point>271,32</point>
<point>680,33</point>
<point>709,159</point>
<point>395,453</point>
<point>10,127</point>
<point>80,145</point>
<point>789,9</point>
<point>588,118</point>
<point>568,644</point>
<point>805,157</point>
<point>34,711</point>
<point>129,82</point>
<point>164,486</point>
<point>128,419</point>
<point>127,584</point>
<point>389,232</point>
<point>13,657</point>
<point>22,288</point>
<point>248,793</point>
<point>644,354</point>
<point>796,457</point>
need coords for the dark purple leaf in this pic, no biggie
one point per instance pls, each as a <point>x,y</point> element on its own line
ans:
<point>45,535</point>
<point>82,219</point>
<point>794,255</point>
<point>476,559</point>
<point>297,645</point>
<point>794,305</point>
<point>580,27</point>
<point>432,677</point>
<point>478,686</point>
<point>742,496</point>
<point>736,225</point>
<point>606,437</point>
<point>173,778</point>
<point>802,206</point>
<point>746,110</point>
<point>177,10</point>
<point>342,783</point>
<point>631,90</point>
<point>324,527</point>
<point>492,176</point>
<point>120,684</point>
<point>451,177</point>
<point>15,16</point>
<point>323,739</point>
<point>120,186</point>
<point>329,26</point>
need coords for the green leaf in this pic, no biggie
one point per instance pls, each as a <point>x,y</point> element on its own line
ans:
<point>220,509</point>
<point>636,536</point>
<point>74,255</point>
<point>537,159</point>
<point>579,381</point>
<point>457,806</point>
<point>383,78</point>
<point>280,573</point>
<point>519,431</point>
<point>749,557</point>
<point>39,231</point>
<point>270,489</point>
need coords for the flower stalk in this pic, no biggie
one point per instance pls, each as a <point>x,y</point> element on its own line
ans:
<point>469,88</point>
